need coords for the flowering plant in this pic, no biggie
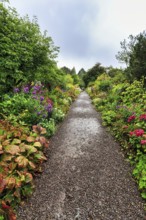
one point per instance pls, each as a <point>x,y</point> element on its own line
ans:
<point>131,118</point>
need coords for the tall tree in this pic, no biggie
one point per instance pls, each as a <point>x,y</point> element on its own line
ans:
<point>134,55</point>
<point>93,73</point>
<point>66,70</point>
<point>123,56</point>
<point>25,52</point>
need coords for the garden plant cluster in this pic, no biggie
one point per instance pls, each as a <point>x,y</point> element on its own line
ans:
<point>29,117</point>
<point>35,95</point>
<point>123,108</point>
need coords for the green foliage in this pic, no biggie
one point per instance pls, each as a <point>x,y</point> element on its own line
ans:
<point>69,80</point>
<point>127,48</point>
<point>104,86</point>
<point>66,70</point>
<point>123,111</point>
<point>25,52</point>
<point>58,115</point>
<point>139,173</point>
<point>21,148</point>
<point>133,92</point>
<point>109,117</point>
<point>28,106</point>
<point>81,75</point>
<point>50,126</point>
<point>134,54</point>
<point>35,95</point>
<point>93,73</point>
<point>76,79</point>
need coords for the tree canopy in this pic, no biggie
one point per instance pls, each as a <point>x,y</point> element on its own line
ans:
<point>92,74</point>
<point>133,54</point>
<point>25,53</point>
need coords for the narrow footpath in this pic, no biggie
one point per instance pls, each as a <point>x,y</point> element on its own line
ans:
<point>86,176</point>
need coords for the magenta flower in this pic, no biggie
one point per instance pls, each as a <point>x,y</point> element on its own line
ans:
<point>143,142</point>
<point>131,133</point>
<point>137,132</point>
<point>16,90</point>
<point>131,118</point>
<point>143,117</point>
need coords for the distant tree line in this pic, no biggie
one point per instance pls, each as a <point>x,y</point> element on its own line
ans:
<point>132,54</point>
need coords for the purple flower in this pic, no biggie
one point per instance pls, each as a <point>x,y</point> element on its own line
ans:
<point>37,87</point>
<point>26,89</point>
<point>49,107</point>
<point>38,113</point>
<point>41,98</point>
<point>34,92</point>
<point>16,90</point>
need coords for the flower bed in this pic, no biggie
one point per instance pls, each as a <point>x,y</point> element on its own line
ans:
<point>123,111</point>
<point>28,118</point>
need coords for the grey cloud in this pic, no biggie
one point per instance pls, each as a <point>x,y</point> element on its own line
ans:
<point>71,27</point>
<point>87,31</point>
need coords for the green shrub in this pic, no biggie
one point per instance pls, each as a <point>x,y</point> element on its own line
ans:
<point>49,126</point>
<point>104,85</point>
<point>57,115</point>
<point>123,110</point>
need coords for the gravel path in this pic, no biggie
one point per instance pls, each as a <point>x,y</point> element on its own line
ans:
<point>86,176</point>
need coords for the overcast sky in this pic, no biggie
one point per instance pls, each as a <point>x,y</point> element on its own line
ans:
<point>87,31</point>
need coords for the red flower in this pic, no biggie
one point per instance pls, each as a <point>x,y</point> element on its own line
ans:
<point>131,118</point>
<point>131,133</point>
<point>137,132</point>
<point>142,117</point>
<point>143,142</point>
<point>5,206</point>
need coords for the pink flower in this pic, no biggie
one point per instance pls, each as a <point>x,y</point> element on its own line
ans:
<point>143,142</point>
<point>131,118</point>
<point>137,132</point>
<point>142,117</point>
<point>131,133</point>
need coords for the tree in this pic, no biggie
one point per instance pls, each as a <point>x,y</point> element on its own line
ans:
<point>81,75</point>
<point>127,48</point>
<point>66,70</point>
<point>137,64</point>
<point>73,71</point>
<point>81,72</point>
<point>93,73</point>
<point>134,55</point>
<point>25,52</point>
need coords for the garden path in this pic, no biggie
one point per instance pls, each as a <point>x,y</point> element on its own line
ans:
<point>86,176</point>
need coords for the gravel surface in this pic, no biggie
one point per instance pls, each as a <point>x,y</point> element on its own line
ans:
<point>86,176</point>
